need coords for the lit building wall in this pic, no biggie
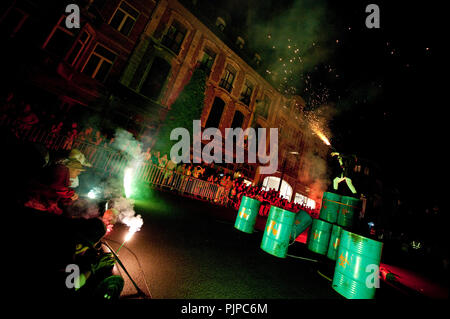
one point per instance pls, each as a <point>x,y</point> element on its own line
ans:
<point>229,82</point>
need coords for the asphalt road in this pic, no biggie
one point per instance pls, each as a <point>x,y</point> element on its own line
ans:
<point>188,249</point>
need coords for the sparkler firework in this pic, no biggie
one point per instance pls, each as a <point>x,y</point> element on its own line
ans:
<point>322,137</point>
<point>134,223</point>
<point>317,121</point>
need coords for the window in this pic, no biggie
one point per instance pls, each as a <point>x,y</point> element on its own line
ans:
<point>156,77</point>
<point>60,39</point>
<point>99,63</point>
<point>79,46</point>
<point>124,18</point>
<point>216,113</point>
<point>174,37</point>
<point>227,80</point>
<point>13,22</point>
<point>61,42</point>
<point>246,94</point>
<point>263,107</point>
<point>207,60</point>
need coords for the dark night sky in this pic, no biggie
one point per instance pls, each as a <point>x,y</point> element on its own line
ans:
<point>383,83</point>
<point>401,126</point>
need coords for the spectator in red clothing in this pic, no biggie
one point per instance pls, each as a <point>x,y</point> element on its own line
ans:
<point>56,128</point>
<point>198,171</point>
<point>148,154</point>
<point>188,170</point>
<point>162,161</point>
<point>71,136</point>
<point>53,192</point>
<point>85,135</point>
<point>110,218</point>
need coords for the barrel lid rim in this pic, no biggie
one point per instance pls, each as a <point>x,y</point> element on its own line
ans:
<point>370,239</point>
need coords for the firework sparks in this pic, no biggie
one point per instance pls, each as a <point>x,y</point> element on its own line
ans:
<point>322,137</point>
<point>318,125</point>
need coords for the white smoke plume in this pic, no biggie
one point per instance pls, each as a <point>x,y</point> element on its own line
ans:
<point>127,215</point>
<point>125,142</point>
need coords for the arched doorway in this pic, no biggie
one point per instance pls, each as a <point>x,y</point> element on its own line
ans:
<point>156,78</point>
<point>272,182</point>
<point>304,200</point>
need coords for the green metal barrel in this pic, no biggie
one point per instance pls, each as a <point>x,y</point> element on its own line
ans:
<point>335,239</point>
<point>278,229</point>
<point>330,207</point>
<point>319,236</point>
<point>301,223</point>
<point>357,264</point>
<point>348,207</point>
<point>247,213</point>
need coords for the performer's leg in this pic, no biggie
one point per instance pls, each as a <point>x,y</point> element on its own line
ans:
<point>350,185</point>
<point>336,181</point>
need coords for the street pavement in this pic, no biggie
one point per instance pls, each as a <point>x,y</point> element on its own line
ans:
<point>189,249</point>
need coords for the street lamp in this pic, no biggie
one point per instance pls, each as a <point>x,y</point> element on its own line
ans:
<point>283,168</point>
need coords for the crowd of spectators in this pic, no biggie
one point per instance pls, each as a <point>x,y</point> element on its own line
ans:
<point>268,197</point>
<point>25,118</point>
<point>48,201</point>
<point>234,185</point>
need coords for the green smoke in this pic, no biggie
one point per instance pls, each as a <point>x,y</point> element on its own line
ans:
<point>293,38</point>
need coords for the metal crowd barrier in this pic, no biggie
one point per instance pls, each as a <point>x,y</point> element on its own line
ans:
<point>187,185</point>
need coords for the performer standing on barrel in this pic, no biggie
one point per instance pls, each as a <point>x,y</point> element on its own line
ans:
<point>346,163</point>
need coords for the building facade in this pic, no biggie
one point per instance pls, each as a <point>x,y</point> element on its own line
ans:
<point>129,61</point>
